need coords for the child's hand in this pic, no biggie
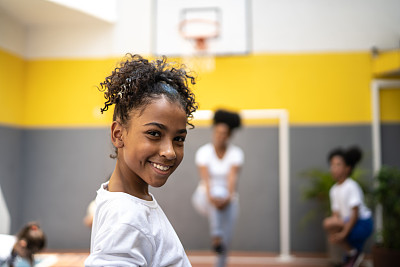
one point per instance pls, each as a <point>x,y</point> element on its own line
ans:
<point>338,237</point>
<point>220,203</point>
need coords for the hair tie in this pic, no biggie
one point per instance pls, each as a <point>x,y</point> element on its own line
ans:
<point>168,88</point>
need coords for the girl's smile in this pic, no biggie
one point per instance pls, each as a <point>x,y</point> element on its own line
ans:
<point>161,167</point>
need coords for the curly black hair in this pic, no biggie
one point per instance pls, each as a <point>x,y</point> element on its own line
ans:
<point>34,237</point>
<point>232,119</point>
<point>351,156</point>
<point>137,81</point>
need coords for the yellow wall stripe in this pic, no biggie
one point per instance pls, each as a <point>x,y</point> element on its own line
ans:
<point>329,88</point>
<point>386,63</point>
<point>315,88</point>
<point>12,81</point>
<point>64,92</point>
<point>390,105</point>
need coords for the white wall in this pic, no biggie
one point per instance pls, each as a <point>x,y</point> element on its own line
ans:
<point>12,34</point>
<point>66,41</point>
<point>277,26</point>
<point>328,25</point>
<point>130,33</point>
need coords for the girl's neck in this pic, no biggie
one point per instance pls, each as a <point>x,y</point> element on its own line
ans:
<point>220,150</point>
<point>120,181</point>
<point>341,180</point>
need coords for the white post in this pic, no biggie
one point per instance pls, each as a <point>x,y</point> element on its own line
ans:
<point>376,148</point>
<point>376,86</point>
<point>376,133</point>
<point>284,188</point>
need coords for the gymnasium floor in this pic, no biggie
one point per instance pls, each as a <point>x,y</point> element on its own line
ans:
<point>206,259</point>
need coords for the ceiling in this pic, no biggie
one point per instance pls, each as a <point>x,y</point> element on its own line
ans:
<point>43,13</point>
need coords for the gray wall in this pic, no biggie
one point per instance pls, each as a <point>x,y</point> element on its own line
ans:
<point>390,141</point>
<point>258,224</point>
<point>11,165</point>
<point>51,175</point>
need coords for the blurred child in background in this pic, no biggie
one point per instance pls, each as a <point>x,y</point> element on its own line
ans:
<point>219,163</point>
<point>29,241</point>
<point>351,223</point>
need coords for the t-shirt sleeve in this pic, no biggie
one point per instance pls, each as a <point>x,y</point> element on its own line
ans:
<point>355,197</point>
<point>202,156</point>
<point>237,157</point>
<point>121,245</point>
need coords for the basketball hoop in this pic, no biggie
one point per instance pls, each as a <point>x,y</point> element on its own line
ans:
<point>199,32</point>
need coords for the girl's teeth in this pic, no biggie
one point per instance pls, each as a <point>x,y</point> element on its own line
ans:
<point>163,168</point>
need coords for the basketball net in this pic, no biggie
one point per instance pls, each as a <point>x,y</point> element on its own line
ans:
<point>200,60</point>
<point>198,33</point>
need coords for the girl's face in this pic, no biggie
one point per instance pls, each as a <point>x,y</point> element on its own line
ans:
<point>338,168</point>
<point>153,142</point>
<point>221,134</point>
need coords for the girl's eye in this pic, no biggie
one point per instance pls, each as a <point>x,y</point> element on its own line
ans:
<point>180,139</point>
<point>154,133</point>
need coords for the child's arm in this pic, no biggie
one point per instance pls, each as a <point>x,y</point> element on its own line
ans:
<point>232,180</point>
<point>205,177</point>
<point>348,225</point>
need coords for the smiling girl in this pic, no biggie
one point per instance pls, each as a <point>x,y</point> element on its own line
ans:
<point>153,103</point>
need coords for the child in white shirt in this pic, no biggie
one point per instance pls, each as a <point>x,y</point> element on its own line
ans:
<point>25,244</point>
<point>351,223</point>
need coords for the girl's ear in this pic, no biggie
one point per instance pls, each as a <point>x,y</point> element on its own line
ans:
<point>348,170</point>
<point>22,243</point>
<point>116,134</point>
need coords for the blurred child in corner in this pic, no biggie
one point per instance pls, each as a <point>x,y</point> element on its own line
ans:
<point>30,240</point>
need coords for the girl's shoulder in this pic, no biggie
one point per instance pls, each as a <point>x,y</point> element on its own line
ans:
<point>205,150</point>
<point>206,147</point>
<point>348,184</point>
<point>352,183</point>
<point>236,149</point>
<point>118,198</point>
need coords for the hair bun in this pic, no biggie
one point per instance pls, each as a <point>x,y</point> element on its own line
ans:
<point>353,155</point>
<point>232,119</point>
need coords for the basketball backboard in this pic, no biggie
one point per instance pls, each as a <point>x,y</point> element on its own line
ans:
<point>205,27</point>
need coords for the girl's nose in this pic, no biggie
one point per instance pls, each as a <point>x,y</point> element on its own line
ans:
<point>167,150</point>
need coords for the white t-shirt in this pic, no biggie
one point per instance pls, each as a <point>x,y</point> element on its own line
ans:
<point>7,243</point>
<point>219,168</point>
<point>129,231</point>
<point>346,196</point>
